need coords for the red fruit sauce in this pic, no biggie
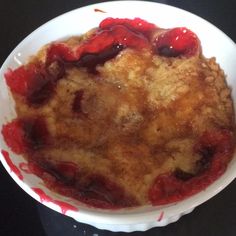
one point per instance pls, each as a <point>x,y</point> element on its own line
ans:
<point>24,135</point>
<point>32,82</point>
<point>65,178</point>
<point>13,168</point>
<point>135,24</point>
<point>216,149</point>
<point>95,190</point>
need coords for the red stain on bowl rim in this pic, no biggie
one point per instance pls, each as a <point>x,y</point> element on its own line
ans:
<point>25,167</point>
<point>45,198</point>
<point>13,168</point>
<point>42,195</point>
<point>65,206</point>
<point>160,216</point>
<point>99,10</point>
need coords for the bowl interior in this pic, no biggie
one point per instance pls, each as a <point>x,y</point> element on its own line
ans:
<point>78,22</point>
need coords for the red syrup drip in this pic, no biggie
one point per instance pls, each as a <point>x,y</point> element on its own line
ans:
<point>13,168</point>
<point>65,206</point>
<point>45,198</point>
<point>160,216</point>
<point>216,149</point>
<point>42,195</point>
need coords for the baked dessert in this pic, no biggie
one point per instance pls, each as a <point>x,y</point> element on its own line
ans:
<point>128,114</point>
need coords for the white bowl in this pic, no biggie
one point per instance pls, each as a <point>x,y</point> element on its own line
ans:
<point>214,43</point>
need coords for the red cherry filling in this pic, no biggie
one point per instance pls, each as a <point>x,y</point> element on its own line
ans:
<point>19,80</point>
<point>135,24</point>
<point>177,42</point>
<point>14,136</point>
<point>166,189</point>
<point>23,135</point>
<point>109,37</point>
<point>59,52</point>
<point>94,190</point>
<point>99,191</point>
<point>215,149</point>
<point>35,82</point>
<point>103,45</point>
<point>68,170</point>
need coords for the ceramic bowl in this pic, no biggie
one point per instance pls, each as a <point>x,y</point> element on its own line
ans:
<point>77,22</point>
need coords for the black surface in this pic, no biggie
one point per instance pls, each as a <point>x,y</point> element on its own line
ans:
<point>20,215</point>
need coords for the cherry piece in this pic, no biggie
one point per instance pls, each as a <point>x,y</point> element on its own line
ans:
<point>177,42</point>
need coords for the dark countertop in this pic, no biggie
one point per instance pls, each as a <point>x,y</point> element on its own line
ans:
<point>23,216</point>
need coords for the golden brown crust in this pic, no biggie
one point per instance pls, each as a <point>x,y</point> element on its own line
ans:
<point>141,116</point>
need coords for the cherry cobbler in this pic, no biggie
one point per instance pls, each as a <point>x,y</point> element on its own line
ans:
<point>128,114</point>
